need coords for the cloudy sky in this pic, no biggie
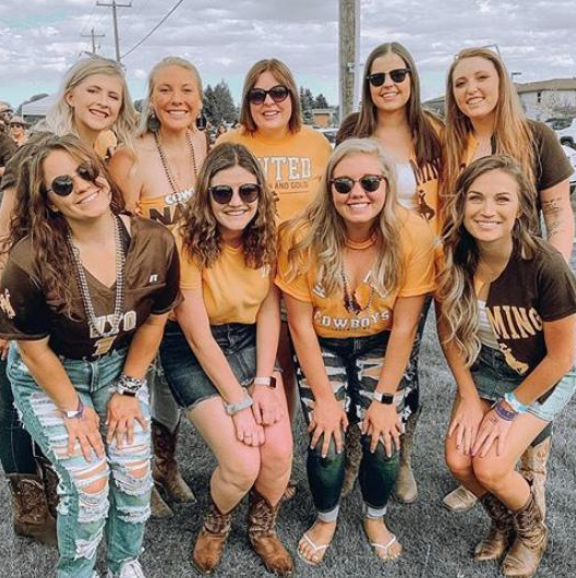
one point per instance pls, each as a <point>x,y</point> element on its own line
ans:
<point>40,39</point>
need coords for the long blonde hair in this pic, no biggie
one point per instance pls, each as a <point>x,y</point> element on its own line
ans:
<point>456,280</point>
<point>319,233</point>
<point>512,134</point>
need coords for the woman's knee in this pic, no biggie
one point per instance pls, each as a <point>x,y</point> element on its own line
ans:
<point>242,469</point>
<point>277,454</point>
<point>491,472</point>
<point>459,464</point>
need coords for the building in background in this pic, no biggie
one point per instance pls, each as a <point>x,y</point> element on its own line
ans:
<point>555,98</point>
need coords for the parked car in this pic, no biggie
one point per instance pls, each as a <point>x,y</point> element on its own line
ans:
<point>571,154</point>
<point>565,128</point>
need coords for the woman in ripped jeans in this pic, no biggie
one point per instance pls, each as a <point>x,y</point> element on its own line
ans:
<point>85,295</point>
<point>355,269</point>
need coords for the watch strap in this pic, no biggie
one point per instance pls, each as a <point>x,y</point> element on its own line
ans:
<point>75,413</point>
<point>266,381</point>
<point>234,408</point>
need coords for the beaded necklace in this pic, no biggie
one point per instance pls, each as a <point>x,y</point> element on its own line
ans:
<point>171,179</point>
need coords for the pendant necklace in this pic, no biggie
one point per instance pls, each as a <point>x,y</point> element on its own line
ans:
<point>171,179</point>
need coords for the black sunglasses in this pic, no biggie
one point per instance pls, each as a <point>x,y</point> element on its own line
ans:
<point>277,93</point>
<point>397,75</point>
<point>17,124</point>
<point>369,183</point>
<point>64,184</point>
<point>222,194</point>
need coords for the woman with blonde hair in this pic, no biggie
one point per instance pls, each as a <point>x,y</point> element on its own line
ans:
<point>220,354</point>
<point>355,268</point>
<point>484,117</point>
<point>157,178</point>
<point>392,114</point>
<point>508,329</point>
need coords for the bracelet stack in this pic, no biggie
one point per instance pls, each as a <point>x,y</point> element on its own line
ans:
<point>130,386</point>
<point>504,413</point>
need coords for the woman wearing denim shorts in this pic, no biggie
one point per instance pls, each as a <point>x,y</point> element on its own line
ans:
<point>219,355</point>
<point>85,295</point>
<point>508,325</point>
<point>355,269</point>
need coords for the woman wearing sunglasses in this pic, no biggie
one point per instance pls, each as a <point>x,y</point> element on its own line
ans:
<point>508,328</point>
<point>220,355</point>
<point>93,98</point>
<point>157,178</point>
<point>85,295</point>
<point>393,115</point>
<point>484,117</point>
<point>351,264</point>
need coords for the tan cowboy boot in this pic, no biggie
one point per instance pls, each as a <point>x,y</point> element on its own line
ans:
<point>533,467</point>
<point>406,490</point>
<point>524,556</point>
<point>353,457</point>
<point>501,531</point>
<point>158,507</point>
<point>211,540</point>
<point>460,500</point>
<point>262,534</point>
<point>166,473</point>
<point>30,508</point>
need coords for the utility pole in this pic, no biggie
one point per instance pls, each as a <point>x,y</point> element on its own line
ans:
<point>115,5</point>
<point>93,36</point>
<point>349,33</point>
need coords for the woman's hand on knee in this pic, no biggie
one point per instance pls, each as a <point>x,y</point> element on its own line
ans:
<point>329,420</point>
<point>247,430</point>
<point>465,424</point>
<point>85,429</point>
<point>382,423</point>
<point>267,408</point>
<point>121,412</point>
<point>493,429</point>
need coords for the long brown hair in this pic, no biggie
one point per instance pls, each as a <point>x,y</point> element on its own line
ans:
<point>199,228</point>
<point>424,137</point>
<point>512,134</point>
<point>47,230</point>
<point>455,285</point>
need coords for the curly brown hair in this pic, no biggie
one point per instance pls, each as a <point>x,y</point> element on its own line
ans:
<point>47,229</point>
<point>199,228</point>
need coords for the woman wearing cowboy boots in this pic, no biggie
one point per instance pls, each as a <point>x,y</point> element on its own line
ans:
<point>220,354</point>
<point>393,115</point>
<point>484,117</point>
<point>157,179</point>
<point>508,329</point>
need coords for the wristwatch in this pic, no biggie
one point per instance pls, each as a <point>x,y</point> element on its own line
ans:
<point>267,381</point>
<point>234,408</point>
<point>75,413</point>
<point>384,398</point>
<point>129,386</point>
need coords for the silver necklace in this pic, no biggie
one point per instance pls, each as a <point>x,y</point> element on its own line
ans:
<point>164,160</point>
<point>85,290</point>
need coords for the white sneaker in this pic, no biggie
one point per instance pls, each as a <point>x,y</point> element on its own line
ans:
<point>131,569</point>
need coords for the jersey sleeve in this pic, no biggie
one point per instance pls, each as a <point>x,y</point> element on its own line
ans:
<point>24,312</point>
<point>552,164</point>
<point>296,287</point>
<point>557,288</point>
<point>170,296</point>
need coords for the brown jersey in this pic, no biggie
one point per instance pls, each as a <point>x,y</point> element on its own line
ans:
<point>151,278</point>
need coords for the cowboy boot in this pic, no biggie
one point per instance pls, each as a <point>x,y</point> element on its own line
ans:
<point>51,482</point>
<point>158,507</point>
<point>406,490</point>
<point>352,457</point>
<point>460,500</point>
<point>166,473</point>
<point>262,535</point>
<point>533,467</point>
<point>525,554</point>
<point>501,531</point>
<point>210,542</point>
<point>31,516</point>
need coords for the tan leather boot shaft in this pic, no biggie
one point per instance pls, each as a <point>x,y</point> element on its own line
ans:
<point>501,533</point>
<point>352,457</point>
<point>406,490</point>
<point>533,466</point>
<point>211,540</point>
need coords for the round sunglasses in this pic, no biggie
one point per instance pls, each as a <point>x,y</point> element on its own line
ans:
<point>278,93</point>
<point>379,78</point>
<point>64,184</point>
<point>222,194</point>
<point>369,183</point>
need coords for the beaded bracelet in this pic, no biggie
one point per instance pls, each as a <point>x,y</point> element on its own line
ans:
<point>127,385</point>
<point>505,414</point>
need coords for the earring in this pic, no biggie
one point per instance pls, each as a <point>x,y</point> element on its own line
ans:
<point>153,123</point>
<point>201,121</point>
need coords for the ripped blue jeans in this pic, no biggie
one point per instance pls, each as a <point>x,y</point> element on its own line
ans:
<point>120,510</point>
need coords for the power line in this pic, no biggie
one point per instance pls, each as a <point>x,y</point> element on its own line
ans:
<point>153,29</point>
<point>114,5</point>
<point>93,35</point>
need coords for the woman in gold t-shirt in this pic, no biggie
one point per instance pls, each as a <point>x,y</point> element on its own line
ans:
<point>220,355</point>
<point>355,268</point>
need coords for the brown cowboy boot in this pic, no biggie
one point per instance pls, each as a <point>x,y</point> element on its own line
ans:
<point>353,457</point>
<point>166,473</point>
<point>51,481</point>
<point>533,467</point>
<point>158,507</point>
<point>210,542</point>
<point>262,534</point>
<point>525,554</point>
<point>31,516</point>
<point>406,490</point>
<point>501,531</point>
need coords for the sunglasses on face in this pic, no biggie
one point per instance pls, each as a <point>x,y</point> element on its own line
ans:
<point>16,125</point>
<point>369,183</point>
<point>222,194</point>
<point>64,184</point>
<point>277,93</point>
<point>379,78</point>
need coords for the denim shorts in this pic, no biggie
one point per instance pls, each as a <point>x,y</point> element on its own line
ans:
<point>494,378</point>
<point>186,377</point>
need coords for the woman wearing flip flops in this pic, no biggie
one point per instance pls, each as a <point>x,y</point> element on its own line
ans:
<point>350,264</point>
